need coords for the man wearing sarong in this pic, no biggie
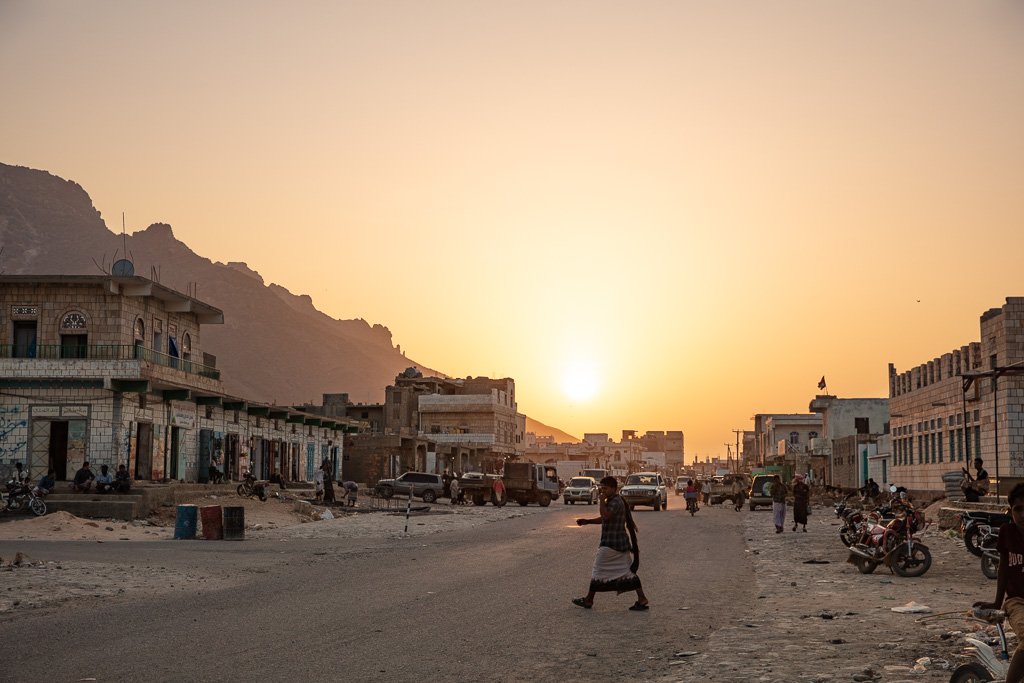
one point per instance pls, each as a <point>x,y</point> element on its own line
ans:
<point>614,568</point>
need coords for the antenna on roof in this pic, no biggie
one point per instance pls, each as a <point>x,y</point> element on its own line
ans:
<point>1,256</point>
<point>122,267</point>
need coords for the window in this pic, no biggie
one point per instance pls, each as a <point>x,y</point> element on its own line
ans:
<point>209,412</point>
<point>24,339</point>
<point>959,444</point>
<point>920,449</point>
<point>952,450</point>
<point>794,437</point>
<point>186,347</point>
<point>977,442</point>
<point>812,435</point>
<point>861,425</point>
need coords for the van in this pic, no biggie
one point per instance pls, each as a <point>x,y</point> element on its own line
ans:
<point>761,491</point>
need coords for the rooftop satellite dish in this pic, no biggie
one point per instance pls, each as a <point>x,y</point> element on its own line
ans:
<point>122,268</point>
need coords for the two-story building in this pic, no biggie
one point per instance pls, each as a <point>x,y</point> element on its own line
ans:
<point>112,370</point>
<point>964,404</point>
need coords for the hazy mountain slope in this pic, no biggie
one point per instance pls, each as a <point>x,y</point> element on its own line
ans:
<point>274,345</point>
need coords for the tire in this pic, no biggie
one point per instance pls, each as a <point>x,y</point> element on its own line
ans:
<point>263,496</point>
<point>664,503</point>
<point>990,566</point>
<point>429,496</point>
<point>657,506</point>
<point>972,539</point>
<point>971,672</point>
<point>37,506</point>
<point>479,501</point>
<point>498,500</point>
<point>387,492</point>
<point>752,507</point>
<point>914,563</point>
<point>544,500</point>
<point>845,536</point>
<point>241,491</point>
<point>864,566</point>
<point>522,501</point>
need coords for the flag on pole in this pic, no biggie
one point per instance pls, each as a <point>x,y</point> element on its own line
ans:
<point>821,384</point>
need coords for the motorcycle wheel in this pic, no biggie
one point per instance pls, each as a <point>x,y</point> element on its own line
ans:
<point>972,539</point>
<point>971,672</point>
<point>845,536</point>
<point>241,490</point>
<point>990,566</point>
<point>914,563</point>
<point>37,506</point>
<point>864,566</point>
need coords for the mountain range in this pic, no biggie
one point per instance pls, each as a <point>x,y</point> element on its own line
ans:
<point>274,346</point>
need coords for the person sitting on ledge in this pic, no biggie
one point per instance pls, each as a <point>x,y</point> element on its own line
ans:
<point>83,479</point>
<point>104,482</point>
<point>216,476</point>
<point>122,483</point>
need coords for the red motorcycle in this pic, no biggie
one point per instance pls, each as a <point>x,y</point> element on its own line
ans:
<point>892,544</point>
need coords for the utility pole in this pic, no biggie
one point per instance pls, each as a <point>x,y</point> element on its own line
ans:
<point>728,456</point>
<point>737,432</point>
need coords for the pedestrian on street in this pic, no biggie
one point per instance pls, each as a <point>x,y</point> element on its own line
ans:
<point>1010,581</point>
<point>613,570</point>
<point>801,501</point>
<point>351,492</point>
<point>779,503</point>
<point>705,491</point>
<point>328,481</point>
<point>453,491</point>
<point>739,492</point>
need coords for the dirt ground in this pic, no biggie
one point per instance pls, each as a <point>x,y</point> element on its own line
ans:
<point>28,583</point>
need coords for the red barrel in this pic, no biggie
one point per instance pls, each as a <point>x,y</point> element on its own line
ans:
<point>213,522</point>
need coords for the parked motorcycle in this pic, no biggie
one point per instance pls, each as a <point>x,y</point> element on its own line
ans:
<point>989,664</point>
<point>21,497</point>
<point>892,544</point>
<point>855,518</point>
<point>250,487</point>
<point>990,563</point>
<point>980,529</point>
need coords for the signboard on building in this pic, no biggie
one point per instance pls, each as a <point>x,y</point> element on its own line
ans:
<point>45,411</point>
<point>186,419</point>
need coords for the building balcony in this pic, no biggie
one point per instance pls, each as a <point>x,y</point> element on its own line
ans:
<point>117,361</point>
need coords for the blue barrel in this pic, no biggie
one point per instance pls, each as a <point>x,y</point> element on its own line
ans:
<point>234,523</point>
<point>185,522</point>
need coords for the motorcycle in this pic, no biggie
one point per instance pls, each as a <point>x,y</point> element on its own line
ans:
<point>691,503</point>
<point>989,664</point>
<point>893,544</point>
<point>250,487</point>
<point>980,529</point>
<point>854,519</point>
<point>21,497</point>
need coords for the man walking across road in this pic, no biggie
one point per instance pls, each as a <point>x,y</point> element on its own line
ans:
<point>613,570</point>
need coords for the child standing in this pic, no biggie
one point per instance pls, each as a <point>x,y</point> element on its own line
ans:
<point>1010,584</point>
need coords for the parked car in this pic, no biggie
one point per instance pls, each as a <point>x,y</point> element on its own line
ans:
<point>427,486</point>
<point>645,488</point>
<point>583,489</point>
<point>761,491</point>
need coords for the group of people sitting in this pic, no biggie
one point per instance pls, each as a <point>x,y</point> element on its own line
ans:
<point>119,482</point>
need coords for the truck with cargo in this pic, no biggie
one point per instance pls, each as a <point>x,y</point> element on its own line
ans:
<point>523,482</point>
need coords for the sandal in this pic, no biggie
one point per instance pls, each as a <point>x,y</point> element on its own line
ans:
<point>582,602</point>
<point>639,606</point>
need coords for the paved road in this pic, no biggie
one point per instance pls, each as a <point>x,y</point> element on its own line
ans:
<point>492,601</point>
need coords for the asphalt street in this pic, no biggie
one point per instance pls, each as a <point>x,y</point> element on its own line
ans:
<point>492,601</point>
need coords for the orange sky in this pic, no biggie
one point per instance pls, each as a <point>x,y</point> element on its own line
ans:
<point>698,207</point>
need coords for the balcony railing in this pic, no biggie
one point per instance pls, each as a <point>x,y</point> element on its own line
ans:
<point>106,352</point>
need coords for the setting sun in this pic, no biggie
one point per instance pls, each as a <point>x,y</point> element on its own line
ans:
<point>579,382</point>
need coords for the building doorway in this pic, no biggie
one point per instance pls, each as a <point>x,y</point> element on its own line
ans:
<point>231,457</point>
<point>205,455</point>
<point>174,472</point>
<point>144,451</point>
<point>57,453</point>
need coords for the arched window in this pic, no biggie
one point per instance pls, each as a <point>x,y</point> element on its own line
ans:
<point>74,336</point>
<point>186,346</point>
<point>812,435</point>
<point>794,437</point>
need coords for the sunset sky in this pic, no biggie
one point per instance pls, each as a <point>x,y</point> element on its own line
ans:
<point>652,215</point>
